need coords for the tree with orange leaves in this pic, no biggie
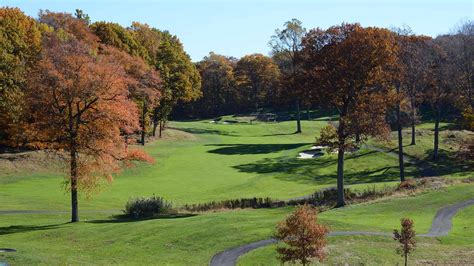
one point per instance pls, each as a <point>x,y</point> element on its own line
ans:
<point>78,102</point>
<point>352,68</point>
<point>304,236</point>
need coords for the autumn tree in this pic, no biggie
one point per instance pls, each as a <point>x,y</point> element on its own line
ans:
<point>459,72</point>
<point>438,92</point>
<point>134,58</point>
<point>305,239</point>
<point>79,103</point>
<point>406,238</point>
<point>144,86</point>
<point>352,69</point>
<point>413,70</point>
<point>219,95</point>
<point>20,45</point>
<point>257,79</point>
<point>286,46</point>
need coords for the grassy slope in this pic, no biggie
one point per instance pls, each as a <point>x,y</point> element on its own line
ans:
<point>194,240</point>
<point>220,162</point>
<point>384,216</point>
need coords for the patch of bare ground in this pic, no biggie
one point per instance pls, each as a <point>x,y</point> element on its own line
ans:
<point>173,134</point>
<point>12,162</point>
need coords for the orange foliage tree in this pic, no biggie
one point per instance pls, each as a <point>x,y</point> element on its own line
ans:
<point>352,69</point>
<point>304,236</point>
<point>79,104</point>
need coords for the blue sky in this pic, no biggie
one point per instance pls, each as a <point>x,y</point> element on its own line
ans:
<point>236,28</point>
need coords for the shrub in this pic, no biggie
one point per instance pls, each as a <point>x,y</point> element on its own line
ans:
<point>148,207</point>
<point>255,203</point>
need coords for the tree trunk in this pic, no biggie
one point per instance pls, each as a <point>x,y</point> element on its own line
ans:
<point>413,120</point>
<point>160,128</point>
<point>357,137</point>
<point>74,204</point>
<point>308,114</point>
<point>298,117</point>
<point>400,145</point>
<point>340,174</point>
<point>406,259</point>
<point>155,121</point>
<point>436,139</point>
<point>144,123</point>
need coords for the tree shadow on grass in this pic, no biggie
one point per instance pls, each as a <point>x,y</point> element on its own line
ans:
<point>322,170</point>
<point>13,229</point>
<point>205,131</point>
<point>240,149</point>
<point>447,164</point>
<point>126,219</point>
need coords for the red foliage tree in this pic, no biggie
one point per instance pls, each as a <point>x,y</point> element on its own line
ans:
<point>79,103</point>
<point>406,238</point>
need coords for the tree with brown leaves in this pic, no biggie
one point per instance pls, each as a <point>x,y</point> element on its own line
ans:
<point>305,239</point>
<point>352,68</point>
<point>406,238</point>
<point>78,102</point>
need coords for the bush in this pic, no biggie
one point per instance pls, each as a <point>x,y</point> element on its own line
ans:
<point>148,207</point>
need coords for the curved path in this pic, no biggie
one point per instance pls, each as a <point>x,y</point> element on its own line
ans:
<point>440,227</point>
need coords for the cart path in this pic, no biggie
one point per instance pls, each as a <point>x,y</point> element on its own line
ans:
<point>440,226</point>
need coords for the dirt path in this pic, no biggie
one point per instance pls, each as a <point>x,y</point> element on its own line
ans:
<point>440,226</point>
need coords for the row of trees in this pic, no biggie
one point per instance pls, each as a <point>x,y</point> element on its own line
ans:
<point>83,89</point>
<point>373,78</point>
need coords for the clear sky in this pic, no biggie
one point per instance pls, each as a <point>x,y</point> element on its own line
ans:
<point>236,28</point>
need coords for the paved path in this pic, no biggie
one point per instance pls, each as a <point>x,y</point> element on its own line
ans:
<point>440,227</point>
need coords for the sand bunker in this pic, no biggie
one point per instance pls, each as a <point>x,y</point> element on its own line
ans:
<point>313,152</point>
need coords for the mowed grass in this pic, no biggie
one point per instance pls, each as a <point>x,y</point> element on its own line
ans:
<point>101,239</point>
<point>384,216</point>
<point>202,161</point>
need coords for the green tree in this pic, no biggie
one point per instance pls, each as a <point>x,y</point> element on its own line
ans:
<point>286,46</point>
<point>115,35</point>
<point>181,81</point>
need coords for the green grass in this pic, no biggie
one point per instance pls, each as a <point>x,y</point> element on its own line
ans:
<point>200,162</point>
<point>100,239</point>
<point>384,216</point>
<point>216,162</point>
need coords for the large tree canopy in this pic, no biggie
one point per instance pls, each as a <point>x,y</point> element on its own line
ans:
<point>20,44</point>
<point>352,70</point>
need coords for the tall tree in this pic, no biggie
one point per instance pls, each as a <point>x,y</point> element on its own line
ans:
<point>351,67</point>
<point>218,85</point>
<point>286,45</point>
<point>257,78</point>
<point>181,81</point>
<point>79,103</point>
<point>20,45</point>
<point>438,91</point>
